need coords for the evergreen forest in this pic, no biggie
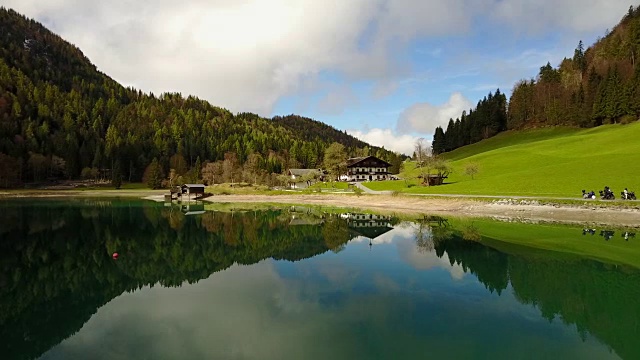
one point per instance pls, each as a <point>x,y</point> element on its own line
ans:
<point>61,118</point>
<point>598,85</point>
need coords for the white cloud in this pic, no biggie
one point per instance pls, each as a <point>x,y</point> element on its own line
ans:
<point>246,55</point>
<point>337,99</point>
<point>425,117</point>
<point>386,137</point>
<point>243,55</point>
<point>574,15</point>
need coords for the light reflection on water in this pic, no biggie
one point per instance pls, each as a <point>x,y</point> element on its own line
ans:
<point>293,283</point>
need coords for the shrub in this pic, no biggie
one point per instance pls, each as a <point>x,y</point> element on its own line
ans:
<point>628,119</point>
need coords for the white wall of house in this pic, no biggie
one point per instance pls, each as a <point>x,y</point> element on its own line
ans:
<point>363,177</point>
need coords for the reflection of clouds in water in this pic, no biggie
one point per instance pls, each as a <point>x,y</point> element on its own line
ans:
<point>426,260</point>
<point>251,312</point>
<point>385,284</point>
<point>403,235</point>
<point>401,231</point>
<point>243,312</point>
<point>339,275</point>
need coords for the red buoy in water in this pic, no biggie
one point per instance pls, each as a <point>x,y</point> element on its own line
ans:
<point>115,256</point>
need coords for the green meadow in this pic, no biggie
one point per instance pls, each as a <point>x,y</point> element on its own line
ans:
<point>548,162</point>
<point>562,241</point>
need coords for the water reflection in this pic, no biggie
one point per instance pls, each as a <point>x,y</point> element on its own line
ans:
<point>418,288</point>
<point>610,234</point>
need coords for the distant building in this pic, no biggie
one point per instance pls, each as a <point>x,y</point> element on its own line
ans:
<point>192,189</point>
<point>367,168</point>
<point>298,174</point>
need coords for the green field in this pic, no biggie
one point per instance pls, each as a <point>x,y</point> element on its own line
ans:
<point>549,162</point>
<point>561,240</point>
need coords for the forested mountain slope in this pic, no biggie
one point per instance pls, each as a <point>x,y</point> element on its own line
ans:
<point>60,118</point>
<point>596,86</point>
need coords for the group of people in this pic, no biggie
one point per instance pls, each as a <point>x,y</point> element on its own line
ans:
<point>607,194</point>
<point>609,234</point>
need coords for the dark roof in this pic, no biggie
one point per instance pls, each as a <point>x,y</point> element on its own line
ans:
<point>302,172</point>
<point>356,160</point>
<point>370,232</point>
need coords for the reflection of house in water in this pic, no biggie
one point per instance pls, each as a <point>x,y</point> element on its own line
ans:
<point>368,225</point>
<point>302,215</point>
<point>192,208</point>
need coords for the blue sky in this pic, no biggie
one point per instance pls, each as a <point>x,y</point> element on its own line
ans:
<point>386,71</point>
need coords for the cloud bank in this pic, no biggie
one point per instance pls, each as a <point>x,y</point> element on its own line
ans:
<point>425,117</point>
<point>246,55</point>
<point>402,144</point>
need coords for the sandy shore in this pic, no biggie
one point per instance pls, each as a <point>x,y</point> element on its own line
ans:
<point>525,210</point>
<point>513,209</point>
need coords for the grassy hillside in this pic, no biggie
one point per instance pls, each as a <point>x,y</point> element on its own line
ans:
<point>554,162</point>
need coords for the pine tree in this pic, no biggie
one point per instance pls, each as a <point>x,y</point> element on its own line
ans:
<point>438,144</point>
<point>116,179</point>
<point>153,175</point>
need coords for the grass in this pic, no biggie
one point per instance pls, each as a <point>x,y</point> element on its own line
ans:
<point>125,186</point>
<point>332,186</point>
<point>239,189</point>
<point>557,238</point>
<point>248,189</point>
<point>550,162</point>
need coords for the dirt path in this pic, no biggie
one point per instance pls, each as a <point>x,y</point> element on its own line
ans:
<point>454,206</point>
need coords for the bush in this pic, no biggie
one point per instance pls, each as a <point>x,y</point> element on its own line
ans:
<point>628,119</point>
<point>358,191</point>
<point>153,175</point>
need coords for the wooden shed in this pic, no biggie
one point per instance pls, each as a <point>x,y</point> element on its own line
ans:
<point>193,189</point>
<point>434,179</point>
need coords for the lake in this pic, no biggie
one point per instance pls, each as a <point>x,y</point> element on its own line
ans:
<point>235,282</point>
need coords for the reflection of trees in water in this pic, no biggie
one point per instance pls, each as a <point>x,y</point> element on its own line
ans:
<point>431,231</point>
<point>56,268</point>
<point>336,233</point>
<point>597,298</point>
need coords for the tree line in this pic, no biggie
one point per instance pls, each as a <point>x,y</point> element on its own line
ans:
<point>596,86</point>
<point>488,119</point>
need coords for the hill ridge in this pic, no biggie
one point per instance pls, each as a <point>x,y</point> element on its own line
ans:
<point>596,86</point>
<point>60,117</point>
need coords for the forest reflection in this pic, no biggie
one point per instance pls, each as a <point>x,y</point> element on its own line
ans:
<point>56,266</point>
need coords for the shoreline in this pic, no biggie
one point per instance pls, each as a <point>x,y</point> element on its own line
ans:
<point>407,205</point>
<point>453,207</point>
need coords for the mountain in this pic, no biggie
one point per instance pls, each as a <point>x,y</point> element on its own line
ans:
<point>596,86</point>
<point>62,118</point>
